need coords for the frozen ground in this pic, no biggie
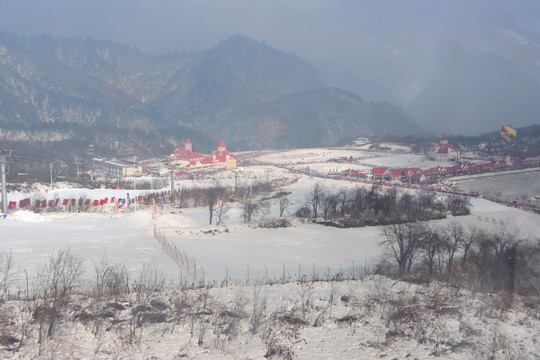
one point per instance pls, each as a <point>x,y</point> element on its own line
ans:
<point>245,253</point>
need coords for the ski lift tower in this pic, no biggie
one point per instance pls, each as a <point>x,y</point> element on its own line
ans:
<point>4,156</point>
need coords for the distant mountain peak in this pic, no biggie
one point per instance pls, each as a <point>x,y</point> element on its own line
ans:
<point>241,90</point>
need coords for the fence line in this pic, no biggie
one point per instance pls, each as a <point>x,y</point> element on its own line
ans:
<point>26,285</point>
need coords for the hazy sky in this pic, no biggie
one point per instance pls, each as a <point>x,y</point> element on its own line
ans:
<point>345,32</point>
<point>394,44</point>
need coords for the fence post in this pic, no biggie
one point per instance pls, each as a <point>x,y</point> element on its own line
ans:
<point>353,275</point>
<point>180,276</point>
<point>299,272</point>
<point>127,278</point>
<point>283,271</point>
<point>327,272</point>
<point>266,271</point>
<point>194,267</point>
<point>27,292</point>
<point>247,274</point>
<point>227,275</point>
<point>202,268</point>
<point>365,267</point>
<point>313,272</point>
<point>97,279</point>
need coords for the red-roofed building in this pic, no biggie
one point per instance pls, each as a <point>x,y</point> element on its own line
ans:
<point>413,175</point>
<point>499,164</point>
<point>432,172</point>
<point>486,166</point>
<point>395,174</point>
<point>444,151</point>
<point>380,172</point>
<point>531,160</point>
<point>184,159</point>
<point>417,178</point>
<point>448,171</point>
<point>408,172</point>
<point>185,153</point>
<point>223,158</point>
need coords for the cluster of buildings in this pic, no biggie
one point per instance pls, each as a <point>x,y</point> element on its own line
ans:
<point>182,161</point>
<point>185,161</point>
<point>445,152</point>
<point>416,175</point>
<point>117,167</point>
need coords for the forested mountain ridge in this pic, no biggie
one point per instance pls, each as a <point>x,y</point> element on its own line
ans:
<point>229,91</point>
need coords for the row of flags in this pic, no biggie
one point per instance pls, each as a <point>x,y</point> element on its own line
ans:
<point>82,202</point>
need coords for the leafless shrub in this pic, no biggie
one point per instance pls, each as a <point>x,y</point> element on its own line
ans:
<point>279,338</point>
<point>148,284</point>
<point>275,224</point>
<point>5,272</point>
<point>305,291</point>
<point>57,280</point>
<point>8,330</point>
<point>347,319</point>
<point>258,312</point>
<point>111,280</point>
<point>226,321</point>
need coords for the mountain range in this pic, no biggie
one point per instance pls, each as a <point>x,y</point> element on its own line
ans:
<point>251,95</point>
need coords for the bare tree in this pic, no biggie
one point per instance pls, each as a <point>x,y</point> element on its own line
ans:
<point>453,237</point>
<point>458,205</point>
<point>212,197</point>
<point>251,207</point>
<point>316,196</point>
<point>343,198</point>
<point>283,202</point>
<point>358,200</point>
<point>404,242</point>
<point>431,247</point>
<point>470,238</point>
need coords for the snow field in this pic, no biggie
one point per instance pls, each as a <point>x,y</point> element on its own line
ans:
<point>362,319</point>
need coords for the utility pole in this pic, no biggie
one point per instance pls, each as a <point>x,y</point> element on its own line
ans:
<point>78,172</point>
<point>235,181</point>
<point>136,197</point>
<point>172,186</point>
<point>50,173</point>
<point>3,162</point>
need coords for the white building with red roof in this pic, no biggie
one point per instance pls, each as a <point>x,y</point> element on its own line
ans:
<point>185,159</point>
<point>223,158</point>
<point>444,151</point>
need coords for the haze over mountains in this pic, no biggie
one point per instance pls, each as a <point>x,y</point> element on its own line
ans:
<point>241,90</point>
<point>255,96</point>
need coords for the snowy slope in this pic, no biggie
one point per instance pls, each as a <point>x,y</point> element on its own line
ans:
<point>375,317</point>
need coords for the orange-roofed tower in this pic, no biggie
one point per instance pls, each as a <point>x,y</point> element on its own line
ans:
<point>221,146</point>
<point>188,146</point>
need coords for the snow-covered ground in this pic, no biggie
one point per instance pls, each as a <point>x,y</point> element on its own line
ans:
<point>243,253</point>
<point>243,250</point>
